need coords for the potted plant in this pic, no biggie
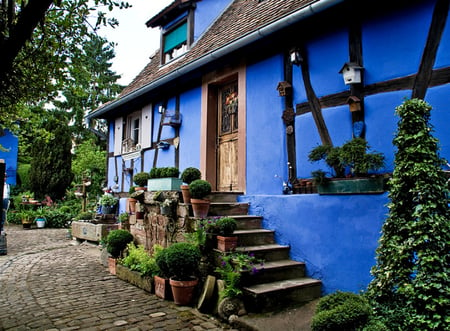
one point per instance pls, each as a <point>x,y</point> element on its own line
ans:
<point>131,200</point>
<point>123,221</point>
<point>140,179</point>
<point>188,176</point>
<point>183,261</point>
<point>27,217</point>
<point>162,285</point>
<point>108,203</point>
<point>164,179</point>
<point>225,227</point>
<point>116,241</point>
<point>40,219</point>
<point>351,165</point>
<point>166,207</point>
<point>140,211</point>
<point>199,190</point>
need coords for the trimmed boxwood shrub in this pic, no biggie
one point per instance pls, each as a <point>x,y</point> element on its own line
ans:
<point>182,260</point>
<point>140,179</point>
<point>190,174</point>
<point>164,172</point>
<point>199,188</point>
<point>341,311</point>
<point>117,241</point>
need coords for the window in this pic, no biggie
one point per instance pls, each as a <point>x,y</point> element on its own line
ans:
<point>133,132</point>
<point>176,38</point>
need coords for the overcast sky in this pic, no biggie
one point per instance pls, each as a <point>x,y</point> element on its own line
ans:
<point>135,41</point>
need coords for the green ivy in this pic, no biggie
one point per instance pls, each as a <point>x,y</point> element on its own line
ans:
<point>410,289</point>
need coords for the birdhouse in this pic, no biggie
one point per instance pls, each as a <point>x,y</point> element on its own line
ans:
<point>351,73</point>
<point>354,103</point>
<point>284,89</point>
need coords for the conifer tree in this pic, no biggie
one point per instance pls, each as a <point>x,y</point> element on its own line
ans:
<point>410,289</point>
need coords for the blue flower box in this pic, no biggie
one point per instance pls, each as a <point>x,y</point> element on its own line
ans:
<point>164,184</point>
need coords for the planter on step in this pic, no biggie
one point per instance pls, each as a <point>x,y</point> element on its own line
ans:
<point>164,184</point>
<point>200,207</point>
<point>185,193</point>
<point>352,186</point>
<point>134,277</point>
<point>112,263</point>
<point>226,244</point>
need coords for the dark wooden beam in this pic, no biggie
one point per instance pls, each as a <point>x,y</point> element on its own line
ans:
<point>437,27</point>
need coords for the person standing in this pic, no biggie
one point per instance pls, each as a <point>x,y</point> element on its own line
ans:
<point>5,204</point>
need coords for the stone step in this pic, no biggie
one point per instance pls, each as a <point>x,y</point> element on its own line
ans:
<point>228,208</point>
<point>272,271</point>
<point>216,196</point>
<point>247,222</point>
<point>270,252</point>
<point>254,237</point>
<point>275,295</point>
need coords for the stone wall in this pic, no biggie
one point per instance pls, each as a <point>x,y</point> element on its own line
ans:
<point>159,226</point>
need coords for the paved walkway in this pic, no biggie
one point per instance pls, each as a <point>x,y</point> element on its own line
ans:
<point>49,283</point>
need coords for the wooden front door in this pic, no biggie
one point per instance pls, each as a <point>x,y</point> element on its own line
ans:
<point>227,138</point>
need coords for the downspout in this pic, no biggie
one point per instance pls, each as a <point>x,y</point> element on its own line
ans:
<point>262,32</point>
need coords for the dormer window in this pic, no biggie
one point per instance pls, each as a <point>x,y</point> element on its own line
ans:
<point>177,28</point>
<point>175,39</point>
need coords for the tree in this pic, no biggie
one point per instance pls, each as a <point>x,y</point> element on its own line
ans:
<point>411,281</point>
<point>90,83</point>
<point>50,171</point>
<point>38,38</point>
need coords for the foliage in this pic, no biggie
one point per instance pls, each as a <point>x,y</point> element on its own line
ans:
<point>190,174</point>
<point>231,268</point>
<point>117,241</point>
<point>140,179</point>
<point>164,172</point>
<point>354,154</point>
<point>84,216</point>
<point>182,260</point>
<point>226,226</point>
<point>26,215</point>
<point>411,277</point>
<point>40,40</point>
<point>50,171</point>
<point>161,262</point>
<point>199,189</point>
<point>341,311</point>
<point>107,200</point>
<point>197,237</point>
<point>138,259</point>
<point>123,217</point>
<point>41,212</point>
<point>60,217</point>
<point>89,162</point>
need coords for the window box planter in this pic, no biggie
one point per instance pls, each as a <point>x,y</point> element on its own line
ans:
<point>134,277</point>
<point>164,184</point>
<point>352,186</point>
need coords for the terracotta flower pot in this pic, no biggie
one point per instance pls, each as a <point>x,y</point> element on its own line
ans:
<point>226,244</point>
<point>162,288</point>
<point>185,193</point>
<point>183,290</point>
<point>200,207</point>
<point>132,205</point>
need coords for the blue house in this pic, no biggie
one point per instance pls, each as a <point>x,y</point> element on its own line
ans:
<point>256,84</point>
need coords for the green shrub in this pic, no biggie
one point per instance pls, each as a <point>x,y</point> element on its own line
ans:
<point>117,241</point>
<point>199,189</point>
<point>190,174</point>
<point>84,216</point>
<point>226,226</point>
<point>141,178</point>
<point>164,172</point>
<point>138,259</point>
<point>161,262</point>
<point>182,260</point>
<point>341,311</point>
<point>108,200</point>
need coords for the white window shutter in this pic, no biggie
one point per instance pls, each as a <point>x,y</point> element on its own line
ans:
<point>118,135</point>
<point>146,132</point>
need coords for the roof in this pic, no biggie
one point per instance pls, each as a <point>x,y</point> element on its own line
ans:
<point>242,20</point>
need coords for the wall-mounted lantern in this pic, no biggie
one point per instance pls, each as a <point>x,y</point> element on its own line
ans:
<point>354,103</point>
<point>284,89</point>
<point>351,73</point>
<point>295,57</point>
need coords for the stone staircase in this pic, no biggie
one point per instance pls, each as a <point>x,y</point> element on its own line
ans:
<point>282,282</point>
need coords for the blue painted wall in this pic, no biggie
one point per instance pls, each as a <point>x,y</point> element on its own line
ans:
<point>335,235</point>
<point>9,151</point>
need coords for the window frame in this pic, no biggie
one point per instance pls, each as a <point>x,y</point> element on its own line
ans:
<point>180,49</point>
